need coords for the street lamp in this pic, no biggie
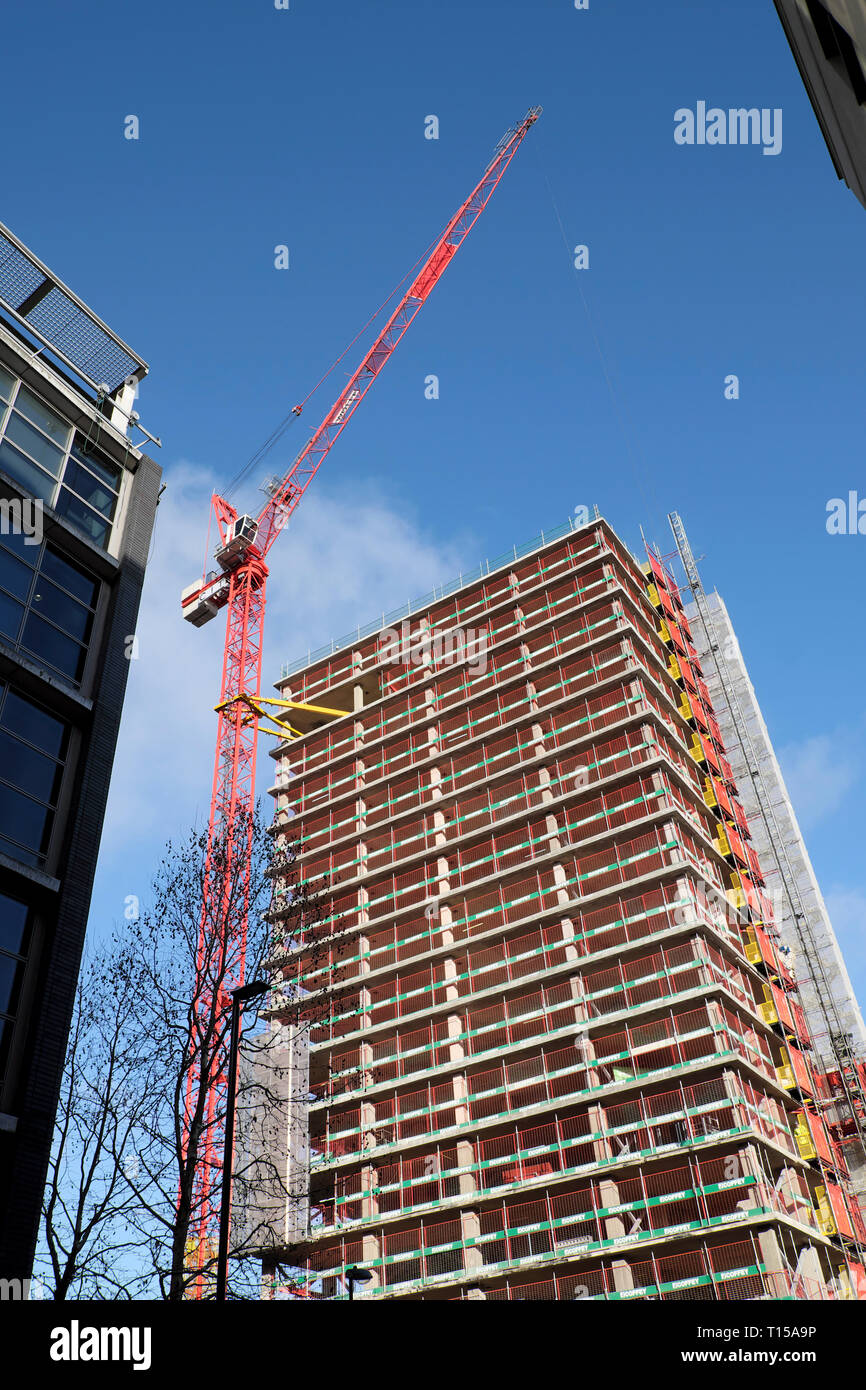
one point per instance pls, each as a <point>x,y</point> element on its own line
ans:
<point>239,997</point>
<point>355,1275</point>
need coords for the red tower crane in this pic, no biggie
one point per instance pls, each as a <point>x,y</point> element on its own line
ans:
<point>239,585</point>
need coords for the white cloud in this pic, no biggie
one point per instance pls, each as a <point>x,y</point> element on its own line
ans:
<point>339,563</point>
<point>819,773</point>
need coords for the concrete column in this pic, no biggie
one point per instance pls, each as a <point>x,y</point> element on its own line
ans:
<point>614,1226</point>
<point>450,971</point>
<point>369,1179</point>
<point>810,1271</point>
<point>365,1065</point>
<point>598,1122</point>
<point>467,1182</point>
<point>371,1250</point>
<point>367,1122</point>
<point>456,1051</point>
<point>572,952</point>
<point>461,1095</point>
<point>544,781</point>
<point>446,935</point>
<point>532,696</point>
<point>443,875</point>
<point>473,1257</point>
<point>560,878</point>
<point>551,827</point>
<point>475,1292</point>
<point>622,1275</point>
<point>440,834</point>
<point>365,1000</point>
<point>776,1265</point>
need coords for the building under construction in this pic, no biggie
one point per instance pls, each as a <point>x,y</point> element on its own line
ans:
<point>556,1044</point>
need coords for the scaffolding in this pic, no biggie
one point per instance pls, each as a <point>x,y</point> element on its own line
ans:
<point>548,1020</point>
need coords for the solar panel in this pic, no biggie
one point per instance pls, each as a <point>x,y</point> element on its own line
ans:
<point>60,320</point>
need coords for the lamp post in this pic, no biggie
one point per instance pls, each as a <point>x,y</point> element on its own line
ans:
<point>355,1275</point>
<point>239,997</point>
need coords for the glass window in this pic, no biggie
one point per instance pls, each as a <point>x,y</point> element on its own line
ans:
<point>31,478</point>
<point>90,488</point>
<point>68,613</point>
<point>81,516</point>
<point>11,614</point>
<point>15,576</point>
<point>7,384</point>
<point>54,647</point>
<point>17,542</point>
<point>38,414</point>
<point>34,444</point>
<point>24,856</point>
<point>23,820</point>
<point>25,767</point>
<point>52,617</point>
<point>108,472</point>
<point>13,924</point>
<point>32,746</point>
<point>35,724</point>
<point>73,579</point>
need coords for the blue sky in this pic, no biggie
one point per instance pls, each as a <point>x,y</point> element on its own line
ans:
<point>305,127</point>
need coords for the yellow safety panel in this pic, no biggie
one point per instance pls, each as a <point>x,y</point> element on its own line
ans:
<point>805,1143</point>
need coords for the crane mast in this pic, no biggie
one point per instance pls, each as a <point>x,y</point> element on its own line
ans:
<point>239,585</point>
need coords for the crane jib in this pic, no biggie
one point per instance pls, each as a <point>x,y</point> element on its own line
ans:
<point>244,543</point>
<point>432,270</point>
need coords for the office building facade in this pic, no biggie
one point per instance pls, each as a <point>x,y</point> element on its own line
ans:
<point>77,507</point>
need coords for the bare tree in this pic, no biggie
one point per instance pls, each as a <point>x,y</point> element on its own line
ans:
<point>183,967</point>
<point>149,1110</point>
<point>89,1245</point>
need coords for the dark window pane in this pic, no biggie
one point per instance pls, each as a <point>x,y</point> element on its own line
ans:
<point>16,541</point>
<point>34,443</point>
<point>35,724</point>
<point>11,974</point>
<point>51,602</point>
<point>10,618</point>
<point>88,521</point>
<point>108,472</point>
<point>29,405</point>
<point>15,576</point>
<point>7,381</point>
<point>90,488</point>
<point>70,577</point>
<point>54,647</point>
<point>13,924</point>
<point>31,478</point>
<point>29,770</point>
<point>25,821</point>
<point>24,856</point>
